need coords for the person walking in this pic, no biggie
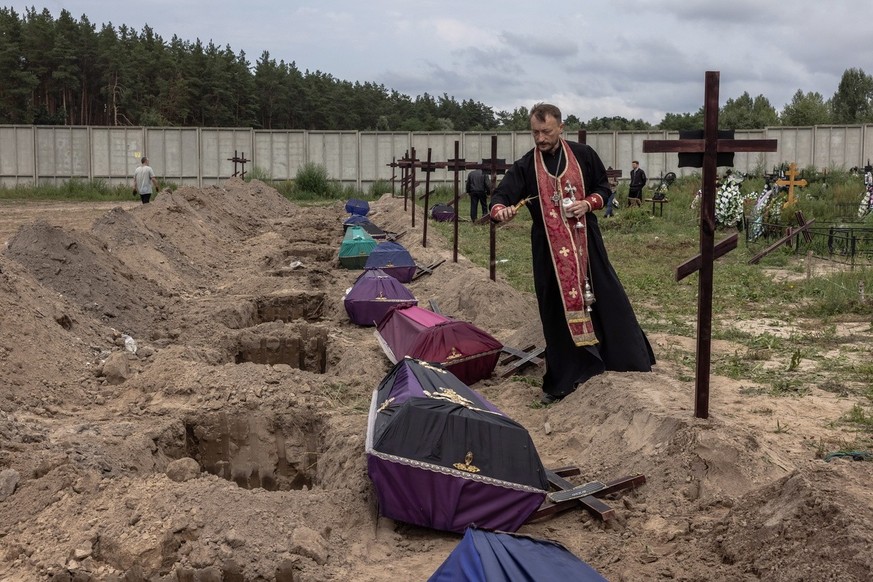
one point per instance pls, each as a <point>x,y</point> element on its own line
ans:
<point>143,180</point>
<point>587,319</point>
<point>478,188</point>
<point>637,182</point>
<point>611,203</point>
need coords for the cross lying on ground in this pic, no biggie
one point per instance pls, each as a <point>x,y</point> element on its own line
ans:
<point>519,359</point>
<point>568,496</point>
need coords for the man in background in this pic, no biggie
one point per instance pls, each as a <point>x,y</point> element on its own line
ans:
<point>143,180</point>
<point>637,181</point>
<point>478,188</point>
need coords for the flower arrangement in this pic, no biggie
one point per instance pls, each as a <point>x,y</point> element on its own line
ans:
<point>768,210</point>
<point>729,201</point>
<point>866,202</point>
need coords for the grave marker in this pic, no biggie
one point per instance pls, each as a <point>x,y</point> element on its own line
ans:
<point>791,183</point>
<point>710,147</point>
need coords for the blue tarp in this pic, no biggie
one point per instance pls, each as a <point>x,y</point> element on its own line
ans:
<point>484,556</point>
<point>358,206</point>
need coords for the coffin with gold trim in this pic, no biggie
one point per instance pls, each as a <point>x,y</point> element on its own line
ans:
<point>468,352</point>
<point>442,456</point>
<point>373,295</point>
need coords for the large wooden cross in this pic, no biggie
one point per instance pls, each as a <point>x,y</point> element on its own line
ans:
<point>791,183</point>
<point>709,146</point>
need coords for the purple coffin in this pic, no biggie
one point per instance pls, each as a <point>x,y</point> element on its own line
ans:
<point>442,213</point>
<point>373,295</point>
<point>441,456</point>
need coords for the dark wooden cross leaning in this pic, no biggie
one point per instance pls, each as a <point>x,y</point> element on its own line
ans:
<point>710,146</point>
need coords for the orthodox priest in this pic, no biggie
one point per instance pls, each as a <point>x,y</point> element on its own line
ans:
<point>588,322</point>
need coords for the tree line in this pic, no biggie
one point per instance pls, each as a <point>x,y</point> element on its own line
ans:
<point>67,72</point>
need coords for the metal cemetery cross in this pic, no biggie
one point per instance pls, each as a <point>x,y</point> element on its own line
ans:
<point>791,183</point>
<point>709,146</point>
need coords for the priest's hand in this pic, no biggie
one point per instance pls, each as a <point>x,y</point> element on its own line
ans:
<point>501,213</point>
<point>579,208</point>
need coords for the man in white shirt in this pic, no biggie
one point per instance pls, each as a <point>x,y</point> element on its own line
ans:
<point>143,180</point>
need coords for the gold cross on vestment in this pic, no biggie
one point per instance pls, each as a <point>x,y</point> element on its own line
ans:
<point>556,198</point>
<point>573,293</point>
<point>570,189</point>
<point>553,214</point>
<point>564,252</point>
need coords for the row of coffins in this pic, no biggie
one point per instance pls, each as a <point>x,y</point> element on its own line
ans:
<point>359,250</point>
<point>439,454</point>
<point>378,297</point>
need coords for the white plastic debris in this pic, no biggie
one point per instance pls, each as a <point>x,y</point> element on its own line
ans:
<point>129,343</point>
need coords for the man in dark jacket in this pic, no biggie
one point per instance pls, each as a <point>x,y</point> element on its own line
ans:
<point>637,181</point>
<point>478,188</point>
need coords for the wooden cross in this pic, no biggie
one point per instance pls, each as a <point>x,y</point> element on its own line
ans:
<point>494,166</point>
<point>422,270</point>
<point>237,159</point>
<point>710,146</point>
<point>427,167</point>
<point>519,359</point>
<point>393,166</point>
<point>457,164</point>
<point>407,165</point>
<point>791,183</point>
<point>802,228</point>
<point>568,496</point>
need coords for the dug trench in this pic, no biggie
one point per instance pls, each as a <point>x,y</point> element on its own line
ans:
<point>230,444</point>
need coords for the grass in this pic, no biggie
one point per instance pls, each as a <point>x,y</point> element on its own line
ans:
<point>71,190</point>
<point>644,251</point>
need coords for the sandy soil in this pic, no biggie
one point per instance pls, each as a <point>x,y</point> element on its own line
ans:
<point>230,445</point>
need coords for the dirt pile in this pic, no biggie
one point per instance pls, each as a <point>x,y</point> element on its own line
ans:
<point>228,442</point>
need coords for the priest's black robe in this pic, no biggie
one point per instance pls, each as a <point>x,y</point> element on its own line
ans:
<point>622,345</point>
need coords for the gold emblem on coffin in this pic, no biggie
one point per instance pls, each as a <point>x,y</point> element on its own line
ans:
<point>432,368</point>
<point>454,354</point>
<point>451,396</point>
<point>386,404</point>
<point>467,466</point>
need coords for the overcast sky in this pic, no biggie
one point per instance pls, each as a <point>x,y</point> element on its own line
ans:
<point>594,58</point>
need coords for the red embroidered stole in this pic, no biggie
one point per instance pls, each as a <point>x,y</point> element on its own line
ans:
<point>568,245</point>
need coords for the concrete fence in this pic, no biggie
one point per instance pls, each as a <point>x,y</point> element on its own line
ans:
<point>201,156</point>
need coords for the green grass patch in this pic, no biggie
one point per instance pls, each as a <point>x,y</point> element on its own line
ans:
<point>72,190</point>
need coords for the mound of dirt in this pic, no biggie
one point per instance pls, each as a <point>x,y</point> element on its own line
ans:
<point>183,397</point>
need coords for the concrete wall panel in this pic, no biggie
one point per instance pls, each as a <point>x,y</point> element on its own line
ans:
<point>195,156</point>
